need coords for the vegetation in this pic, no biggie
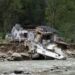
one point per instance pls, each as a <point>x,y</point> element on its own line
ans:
<point>59,14</point>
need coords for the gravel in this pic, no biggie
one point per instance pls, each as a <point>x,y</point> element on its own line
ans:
<point>41,67</point>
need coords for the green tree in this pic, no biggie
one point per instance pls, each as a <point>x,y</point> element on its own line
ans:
<point>10,13</point>
<point>61,15</point>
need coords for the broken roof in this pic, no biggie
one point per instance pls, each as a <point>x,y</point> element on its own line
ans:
<point>46,29</point>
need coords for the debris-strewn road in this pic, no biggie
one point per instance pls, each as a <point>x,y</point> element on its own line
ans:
<point>42,67</point>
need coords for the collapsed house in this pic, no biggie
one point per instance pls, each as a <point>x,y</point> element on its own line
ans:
<point>43,42</point>
<point>46,38</point>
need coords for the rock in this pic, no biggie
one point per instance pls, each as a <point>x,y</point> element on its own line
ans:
<point>25,56</point>
<point>66,70</point>
<point>36,55</point>
<point>3,55</point>
<point>19,71</point>
<point>52,69</point>
<point>17,56</point>
<point>12,74</point>
<point>27,73</point>
<point>10,58</point>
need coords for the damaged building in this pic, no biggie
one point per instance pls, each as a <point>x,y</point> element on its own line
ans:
<point>40,43</point>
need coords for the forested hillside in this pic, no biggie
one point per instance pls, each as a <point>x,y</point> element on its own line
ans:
<point>59,14</point>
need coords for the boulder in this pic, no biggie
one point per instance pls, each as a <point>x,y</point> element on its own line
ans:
<point>17,56</point>
<point>25,56</point>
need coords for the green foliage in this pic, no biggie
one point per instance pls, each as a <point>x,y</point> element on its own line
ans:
<point>21,11</point>
<point>59,14</point>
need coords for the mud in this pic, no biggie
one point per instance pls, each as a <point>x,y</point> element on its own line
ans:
<point>41,67</point>
<point>14,47</point>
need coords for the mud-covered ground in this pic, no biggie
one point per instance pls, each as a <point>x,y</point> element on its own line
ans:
<point>38,67</point>
<point>31,67</point>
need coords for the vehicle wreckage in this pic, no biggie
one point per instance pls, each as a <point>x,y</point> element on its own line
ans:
<point>42,42</point>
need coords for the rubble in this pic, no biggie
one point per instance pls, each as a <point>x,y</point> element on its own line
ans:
<point>43,41</point>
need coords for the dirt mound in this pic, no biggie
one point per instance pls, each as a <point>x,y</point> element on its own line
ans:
<point>14,47</point>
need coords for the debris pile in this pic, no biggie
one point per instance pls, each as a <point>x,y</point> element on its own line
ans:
<point>41,43</point>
